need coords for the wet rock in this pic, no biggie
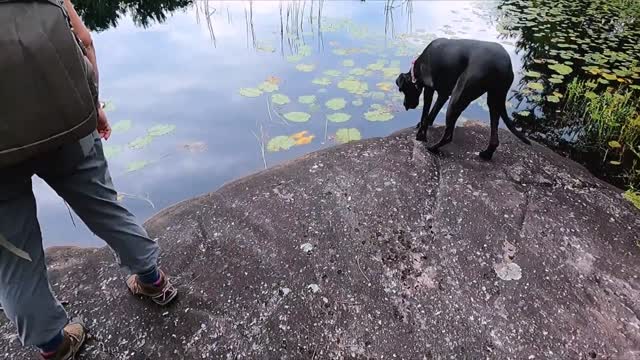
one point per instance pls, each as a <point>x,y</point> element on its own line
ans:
<point>379,249</point>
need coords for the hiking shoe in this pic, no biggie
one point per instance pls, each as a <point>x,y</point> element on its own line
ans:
<point>74,336</point>
<point>161,295</point>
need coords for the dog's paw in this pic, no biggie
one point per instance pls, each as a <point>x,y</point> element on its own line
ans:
<point>486,155</point>
<point>421,137</point>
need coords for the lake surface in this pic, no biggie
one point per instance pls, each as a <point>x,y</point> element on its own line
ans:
<point>202,94</point>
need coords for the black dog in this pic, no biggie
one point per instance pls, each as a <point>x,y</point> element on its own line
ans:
<point>462,70</point>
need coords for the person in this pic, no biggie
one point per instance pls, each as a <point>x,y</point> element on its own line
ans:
<point>52,126</point>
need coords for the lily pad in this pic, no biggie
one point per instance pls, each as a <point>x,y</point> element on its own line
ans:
<point>162,129</point>
<point>353,86</point>
<point>297,116</point>
<point>553,99</point>
<point>524,113</point>
<point>556,80</point>
<point>280,99</point>
<point>307,99</point>
<point>378,113</point>
<point>532,74</point>
<point>111,151</point>
<point>348,63</point>
<point>346,135</point>
<point>294,58</point>
<point>391,72</point>
<point>334,73</point>
<point>338,117</point>
<point>250,92</point>
<point>357,102</point>
<point>137,165</point>
<point>121,126</point>
<point>268,86</point>
<point>609,76</point>
<point>385,86</point>
<point>614,144</point>
<point>561,69</point>
<point>109,106</point>
<point>323,81</point>
<point>535,86</point>
<point>281,142</point>
<point>357,71</point>
<point>336,104</point>
<point>141,142</point>
<point>340,52</point>
<point>305,67</point>
<point>376,95</point>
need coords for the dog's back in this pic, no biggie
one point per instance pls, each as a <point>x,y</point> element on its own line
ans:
<point>448,59</point>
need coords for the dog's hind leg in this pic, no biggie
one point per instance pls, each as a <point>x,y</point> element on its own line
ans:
<point>495,100</point>
<point>424,125</point>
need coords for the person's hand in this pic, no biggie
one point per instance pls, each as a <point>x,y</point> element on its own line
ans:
<point>104,129</point>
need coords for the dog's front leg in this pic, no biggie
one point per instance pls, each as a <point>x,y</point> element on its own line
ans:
<point>427,96</point>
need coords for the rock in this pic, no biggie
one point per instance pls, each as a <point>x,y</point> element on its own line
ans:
<point>413,256</point>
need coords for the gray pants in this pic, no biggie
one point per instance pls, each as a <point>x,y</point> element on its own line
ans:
<point>78,173</point>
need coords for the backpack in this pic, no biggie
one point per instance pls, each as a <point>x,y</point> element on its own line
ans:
<point>48,92</point>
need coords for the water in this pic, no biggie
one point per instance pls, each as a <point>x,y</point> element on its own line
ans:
<point>187,71</point>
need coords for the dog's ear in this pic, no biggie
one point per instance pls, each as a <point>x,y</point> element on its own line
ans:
<point>401,81</point>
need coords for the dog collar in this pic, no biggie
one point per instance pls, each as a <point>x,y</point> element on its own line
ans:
<point>413,75</point>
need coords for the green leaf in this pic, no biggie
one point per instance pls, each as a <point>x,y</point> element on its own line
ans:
<point>338,117</point>
<point>524,113</point>
<point>334,73</point>
<point>121,126</point>
<point>111,151</point>
<point>280,143</point>
<point>614,144</point>
<point>268,86</point>
<point>307,99</point>
<point>294,58</point>
<point>556,80</point>
<point>109,106</point>
<point>141,142</point>
<point>280,99</point>
<point>532,74</point>
<point>323,81</point>
<point>357,102</point>
<point>357,71</point>
<point>377,113</point>
<point>561,69</point>
<point>553,99</point>
<point>162,129</point>
<point>344,136</point>
<point>590,95</point>
<point>336,104</point>
<point>609,76</point>
<point>635,87</point>
<point>633,197</point>
<point>348,63</point>
<point>250,92</point>
<point>353,86</point>
<point>297,116</point>
<point>535,86</point>
<point>137,165</point>
<point>305,67</point>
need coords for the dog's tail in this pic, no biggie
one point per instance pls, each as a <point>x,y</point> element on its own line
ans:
<point>511,126</point>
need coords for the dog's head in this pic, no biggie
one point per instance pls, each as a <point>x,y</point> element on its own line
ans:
<point>410,90</point>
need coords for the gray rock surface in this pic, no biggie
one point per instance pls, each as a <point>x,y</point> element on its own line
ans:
<point>379,249</point>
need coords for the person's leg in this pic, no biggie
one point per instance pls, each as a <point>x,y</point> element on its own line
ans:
<point>82,178</point>
<point>25,293</point>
